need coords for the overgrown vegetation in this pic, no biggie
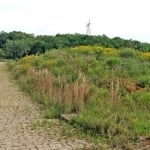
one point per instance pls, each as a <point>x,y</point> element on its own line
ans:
<point>109,88</point>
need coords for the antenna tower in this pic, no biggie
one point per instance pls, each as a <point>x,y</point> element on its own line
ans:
<point>88,28</point>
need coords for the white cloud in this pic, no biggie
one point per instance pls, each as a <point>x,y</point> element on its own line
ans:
<point>125,18</point>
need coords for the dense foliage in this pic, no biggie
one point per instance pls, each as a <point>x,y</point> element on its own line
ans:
<point>18,44</point>
<point>109,88</point>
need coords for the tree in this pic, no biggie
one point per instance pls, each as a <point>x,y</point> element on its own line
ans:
<point>117,42</point>
<point>38,47</point>
<point>17,48</point>
<point>3,38</point>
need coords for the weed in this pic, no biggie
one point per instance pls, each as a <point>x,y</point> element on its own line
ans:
<point>109,88</point>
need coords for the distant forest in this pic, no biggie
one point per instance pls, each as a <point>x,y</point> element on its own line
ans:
<point>18,44</point>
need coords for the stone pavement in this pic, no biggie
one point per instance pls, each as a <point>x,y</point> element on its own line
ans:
<point>17,116</point>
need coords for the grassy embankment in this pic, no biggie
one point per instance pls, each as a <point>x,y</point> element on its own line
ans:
<point>109,88</point>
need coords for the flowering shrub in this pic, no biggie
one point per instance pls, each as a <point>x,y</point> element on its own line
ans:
<point>146,55</point>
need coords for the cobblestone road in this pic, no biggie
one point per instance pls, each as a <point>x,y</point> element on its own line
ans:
<point>17,115</point>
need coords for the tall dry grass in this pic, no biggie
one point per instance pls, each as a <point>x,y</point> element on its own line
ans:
<point>72,95</point>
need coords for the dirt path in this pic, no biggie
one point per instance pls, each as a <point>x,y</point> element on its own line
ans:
<point>17,115</point>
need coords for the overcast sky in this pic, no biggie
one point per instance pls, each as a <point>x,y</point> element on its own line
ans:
<point>128,19</point>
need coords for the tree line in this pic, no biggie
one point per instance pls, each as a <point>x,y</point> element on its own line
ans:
<point>18,44</point>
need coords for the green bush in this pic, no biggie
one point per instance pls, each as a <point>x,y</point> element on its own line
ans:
<point>127,53</point>
<point>113,62</point>
<point>60,62</point>
<point>144,81</point>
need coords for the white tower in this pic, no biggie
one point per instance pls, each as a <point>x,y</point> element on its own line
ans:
<point>88,28</point>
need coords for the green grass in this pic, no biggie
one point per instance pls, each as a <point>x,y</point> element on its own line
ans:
<point>101,88</point>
